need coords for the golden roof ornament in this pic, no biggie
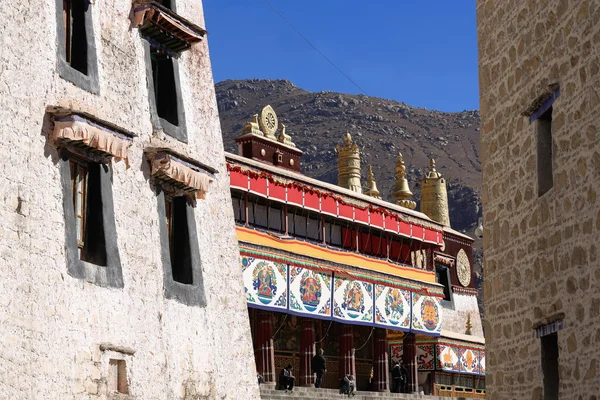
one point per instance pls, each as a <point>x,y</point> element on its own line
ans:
<point>468,325</point>
<point>252,126</point>
<point>268,122</point>
<point>434,197</point>
<point>349,165</point>
<point>285,138</point>
<point>402,192</point>
<point>371,184</point>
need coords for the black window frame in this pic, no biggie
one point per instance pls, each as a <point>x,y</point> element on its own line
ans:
<point>109,275</point>
<point>443,271</point>
<point>87,81</point>
<point>192,294</point>
<point>178,131</point>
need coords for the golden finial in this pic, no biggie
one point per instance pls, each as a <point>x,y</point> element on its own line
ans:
<point>434,197</point>
<point>402,192</point>
<point>349,165</point>
<point>285,138</point>
<point>371,184</point>
<point>468,325</point>
<point>253,127</point>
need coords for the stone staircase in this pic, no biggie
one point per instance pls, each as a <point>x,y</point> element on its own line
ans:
<point>268,392</point>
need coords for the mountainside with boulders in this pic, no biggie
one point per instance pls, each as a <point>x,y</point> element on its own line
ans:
<point>382,128</point>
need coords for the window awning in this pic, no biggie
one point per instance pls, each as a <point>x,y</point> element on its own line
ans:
<point>180,176</point>
<point>82,131</point>
<point>167,29</point>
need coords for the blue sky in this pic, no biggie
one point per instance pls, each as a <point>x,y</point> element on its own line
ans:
<point>422,52</point>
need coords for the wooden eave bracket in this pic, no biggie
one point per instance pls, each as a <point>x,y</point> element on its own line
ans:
<point>179,174</point>
<point>165,29</point>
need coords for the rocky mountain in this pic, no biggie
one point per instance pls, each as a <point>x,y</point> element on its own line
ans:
<point>382,128</point>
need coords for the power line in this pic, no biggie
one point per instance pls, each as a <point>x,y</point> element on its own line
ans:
<point>314,47</point>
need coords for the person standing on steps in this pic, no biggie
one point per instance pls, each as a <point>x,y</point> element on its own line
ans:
<point>318,366</point>
<point>396,378</point>
<point>403,378</point>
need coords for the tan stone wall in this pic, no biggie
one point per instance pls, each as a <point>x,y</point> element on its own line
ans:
<point>541,254</point>
<point>52,324</point>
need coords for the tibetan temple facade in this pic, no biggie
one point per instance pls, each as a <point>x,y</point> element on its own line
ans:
<point>338,268</point>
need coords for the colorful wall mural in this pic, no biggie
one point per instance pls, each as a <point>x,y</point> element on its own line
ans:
<point>279,286</point>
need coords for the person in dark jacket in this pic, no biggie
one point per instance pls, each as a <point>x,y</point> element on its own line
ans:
<point>396,378</point>
<point>286,379</point>
<point>318,366</point>
<point>403,379</point>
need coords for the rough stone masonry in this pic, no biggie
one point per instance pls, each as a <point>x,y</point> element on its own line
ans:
<point>63,337</point>
<point>542,271</point>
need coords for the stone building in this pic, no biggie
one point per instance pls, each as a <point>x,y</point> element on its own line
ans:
<point>339,269</point>
<point>539,64</point>
<point>120,267</point>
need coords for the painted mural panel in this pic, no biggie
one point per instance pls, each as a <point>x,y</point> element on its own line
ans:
<point>425,356</point>
<point>395,353</point>
<point>353,300</point>
<point>469,361</point>
<point>448,358</point>
<point>426,314</point>
<point>265,283</point>
<point>310,292</point>
<point>482,362</point>
<point>392,307</point>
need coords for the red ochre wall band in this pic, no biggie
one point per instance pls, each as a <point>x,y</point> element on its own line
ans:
<point>265,185</point>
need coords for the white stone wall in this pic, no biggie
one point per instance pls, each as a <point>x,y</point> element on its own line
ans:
<point>51,324</point>
<point>455,320</point>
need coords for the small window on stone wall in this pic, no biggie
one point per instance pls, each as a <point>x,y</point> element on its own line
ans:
<point>182,269</point>
<point>76,50</point>
<point>87,206</point>
<point>544,152</point>
<point>117,377</point>
<point>74,32</point>
<point>179,243</point>
<point>165,92</point>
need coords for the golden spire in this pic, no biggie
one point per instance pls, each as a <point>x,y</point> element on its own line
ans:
<point>371,184</point>
<point>402,192</point>
<point>468,325</point>
<point>434,197</point>
<point>349,165</point>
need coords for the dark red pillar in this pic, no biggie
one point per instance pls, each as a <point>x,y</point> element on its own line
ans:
<point>409,359</point>
<point>264,352</point>
<point>307,352</point>
<point>380,362</point>
<point>347,364</point>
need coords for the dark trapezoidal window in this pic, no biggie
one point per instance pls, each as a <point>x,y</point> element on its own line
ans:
<point>443,278</point>
<point>87,204</point>
<point>179,239</point>
<point>544,152</point>
<point>165,91</point>
<point>76,47</point>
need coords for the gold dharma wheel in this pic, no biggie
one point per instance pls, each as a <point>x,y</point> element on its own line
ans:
<point>463,268</point>
<point>268,121</point>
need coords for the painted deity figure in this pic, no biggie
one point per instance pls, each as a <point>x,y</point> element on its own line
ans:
<point>310,291</point>
<point>353,300</point>
<point>265,283</point>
